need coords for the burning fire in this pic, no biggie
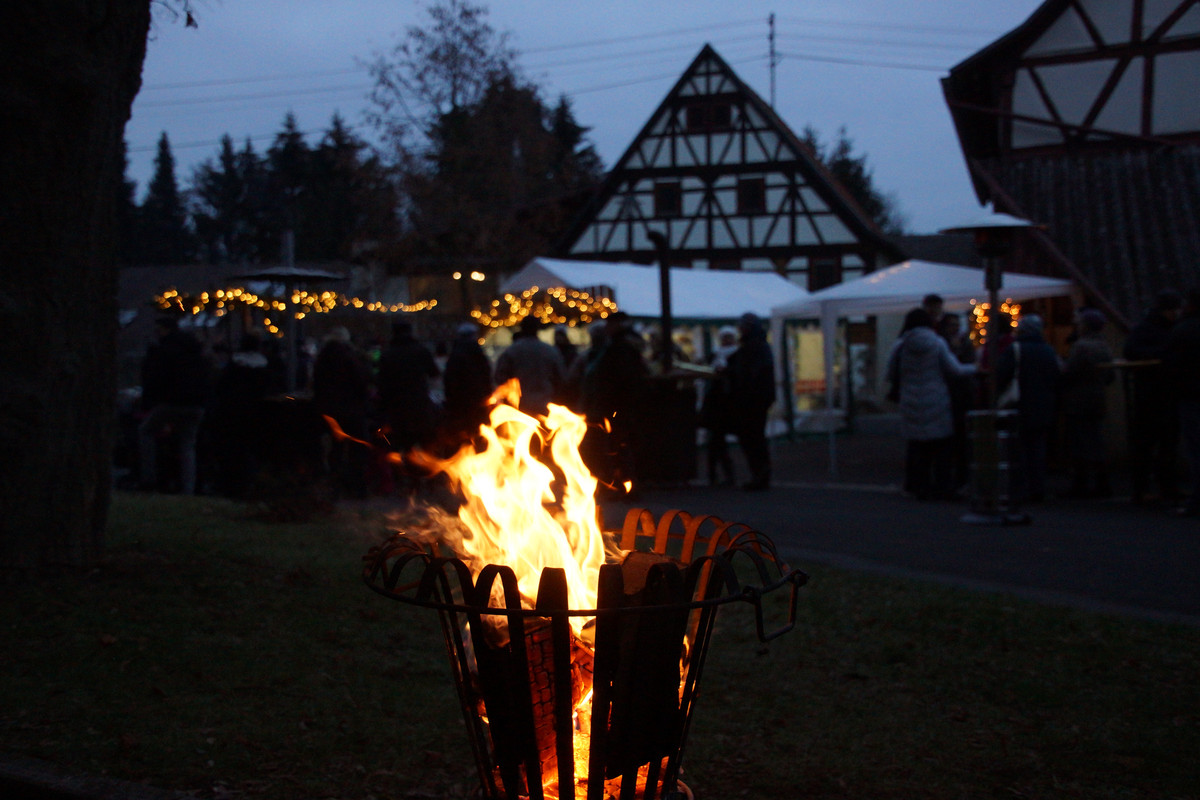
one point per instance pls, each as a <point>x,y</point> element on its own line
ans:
<point>511,514</point>
<point>528,502</point>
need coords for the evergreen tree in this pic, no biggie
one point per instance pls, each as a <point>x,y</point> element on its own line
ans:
<point>855,176</point>
<point>351,204</point>
<point>162,230</point>
<point>223,209</point>
<point>485,167</point>
<point>288,178</point>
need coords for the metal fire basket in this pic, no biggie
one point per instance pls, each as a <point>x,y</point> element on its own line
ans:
<point>519,671</point>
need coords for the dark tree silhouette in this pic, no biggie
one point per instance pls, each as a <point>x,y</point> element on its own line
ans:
<point>853,173</point>
<point>162,231</point>
<point>69,70</point>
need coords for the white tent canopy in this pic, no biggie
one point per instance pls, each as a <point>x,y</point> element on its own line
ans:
<point>696,295</point>
<point>901,287</point>
<point>896,290</point>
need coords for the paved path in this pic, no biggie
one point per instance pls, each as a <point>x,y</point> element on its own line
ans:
<point>1105,555</point>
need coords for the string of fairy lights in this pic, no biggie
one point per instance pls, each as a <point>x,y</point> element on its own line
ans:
<point>553,306</point>
<point>302,303</point>
<point>981,316</point>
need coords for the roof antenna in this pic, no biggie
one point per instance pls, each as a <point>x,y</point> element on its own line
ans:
<point>772,59</point>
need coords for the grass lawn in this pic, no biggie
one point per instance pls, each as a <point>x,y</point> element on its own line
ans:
<point>232,658</point>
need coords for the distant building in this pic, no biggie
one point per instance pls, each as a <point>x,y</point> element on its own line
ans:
<point>1085,119</point>
<point>718,173</point>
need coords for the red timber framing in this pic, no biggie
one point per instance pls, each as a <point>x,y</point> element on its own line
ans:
<point>731,187</point>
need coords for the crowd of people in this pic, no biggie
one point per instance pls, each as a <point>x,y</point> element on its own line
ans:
<point>213,419</point>
<point>936,377</point>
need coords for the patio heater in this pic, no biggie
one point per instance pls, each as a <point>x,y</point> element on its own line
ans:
<point>992,431</point>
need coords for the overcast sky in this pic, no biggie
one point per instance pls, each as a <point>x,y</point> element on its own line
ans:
<point>872,66</point>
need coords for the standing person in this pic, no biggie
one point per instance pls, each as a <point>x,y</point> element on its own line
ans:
<point>241,386</point>
<point>612,391</point>
<point>1086,376</point>
<point>536,365</point>
<point>935,306</point>
<point>1182,363</point>
<point>716,411</point>
<point>568,390</point>
<point>341,383</point>
<point>962,394</point>
<point>467,382</point>
<point>176,380</point>
<point>1032,362</point>
<point>405,370</point>
<point>922,365</point>
<point>1154,434</point>
<point>751,394</point>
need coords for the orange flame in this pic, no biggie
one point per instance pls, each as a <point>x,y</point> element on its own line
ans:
<point>511,512</point>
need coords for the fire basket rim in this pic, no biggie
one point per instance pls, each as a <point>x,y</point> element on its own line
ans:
<point>401,549</point>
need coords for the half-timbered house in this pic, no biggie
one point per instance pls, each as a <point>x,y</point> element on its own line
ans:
<point>718,173</point>
<point>1084,119</point>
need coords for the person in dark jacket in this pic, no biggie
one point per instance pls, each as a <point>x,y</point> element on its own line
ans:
<point>1032,362</point>
<point>176,382</point>
<point>467,382</point>
<point>536,365</point>
<point>341,383</point>
<point>1086,376</point>
<point>1181,360</point>
<point>405,370</point>
<point>612,393</point>
<point>1154,423</point>
<point>236,422</point>
<point>751,393</point>
<point>716,410</point>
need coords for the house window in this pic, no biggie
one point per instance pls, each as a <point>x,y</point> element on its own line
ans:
<point>668,199</point>
<point>824,272</point>
<point>751,196</point>
<point>703,117</point>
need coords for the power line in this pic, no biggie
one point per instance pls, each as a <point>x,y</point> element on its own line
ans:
<point>858,62</point>
<point>255,79</point>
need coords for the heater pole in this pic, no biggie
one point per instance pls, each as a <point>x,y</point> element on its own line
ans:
<point>664,290</point>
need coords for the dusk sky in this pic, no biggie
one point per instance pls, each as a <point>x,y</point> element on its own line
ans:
<point>872,66</point>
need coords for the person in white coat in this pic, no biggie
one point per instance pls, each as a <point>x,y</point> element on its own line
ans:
<point>921,365</point>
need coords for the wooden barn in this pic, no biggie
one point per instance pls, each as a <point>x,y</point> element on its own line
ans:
<point>1084,119</point>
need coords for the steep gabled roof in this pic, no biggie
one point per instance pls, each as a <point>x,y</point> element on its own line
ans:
<point>804,207</point>
<point>1081,73</point>
<point>1084,120</point>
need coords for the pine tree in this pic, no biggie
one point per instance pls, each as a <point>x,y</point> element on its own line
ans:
<point>351,204</point>
<point>289,166</point>
<point>855,176</point>
<point>162,230</point>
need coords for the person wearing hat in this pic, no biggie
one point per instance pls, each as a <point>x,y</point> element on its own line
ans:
<point>1087,374</point>
<point>535,364</point>
<point>1154,423</point>
<point>751,394</point>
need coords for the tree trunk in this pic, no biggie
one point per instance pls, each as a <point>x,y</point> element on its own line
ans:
<point>69,70</point>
